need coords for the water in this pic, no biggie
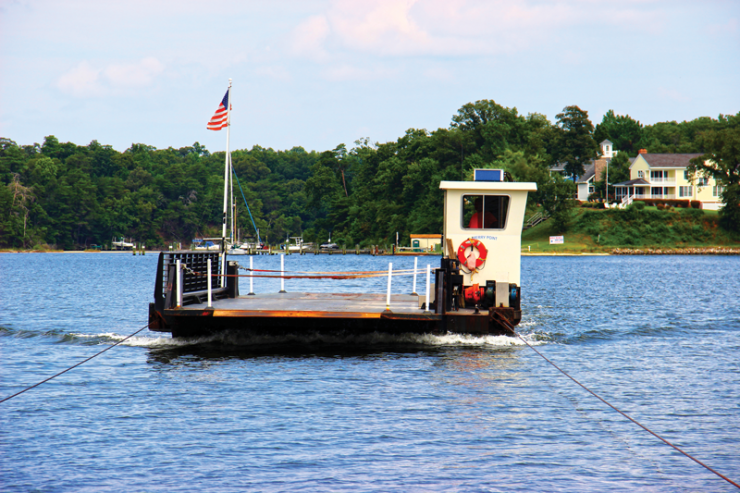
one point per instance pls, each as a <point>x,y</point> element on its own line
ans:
<point>659,337</point>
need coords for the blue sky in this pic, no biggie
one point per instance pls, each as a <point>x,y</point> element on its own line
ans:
<point>320,73</point>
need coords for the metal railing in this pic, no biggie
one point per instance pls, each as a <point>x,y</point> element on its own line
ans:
<point>535,220</point>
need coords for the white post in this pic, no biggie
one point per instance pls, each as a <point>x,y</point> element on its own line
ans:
<point>210,294</point>
<point>416,260</point>
<point>388,296</point>
<point>251,276</point>
<point>178,281</point>
<point>429,273</point>
<point>282,272</point>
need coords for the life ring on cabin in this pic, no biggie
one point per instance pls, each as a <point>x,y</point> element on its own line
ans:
<point>465,260</point>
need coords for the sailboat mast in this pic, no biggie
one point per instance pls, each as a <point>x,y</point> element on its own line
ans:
<point>233,204</point>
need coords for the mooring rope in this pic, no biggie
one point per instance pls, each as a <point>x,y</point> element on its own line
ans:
<point>510,328</point>
<point>381,272</point>
<point>318,275</point>
<point>74,366</point>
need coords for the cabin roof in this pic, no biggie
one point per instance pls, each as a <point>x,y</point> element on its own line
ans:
<point>488,186</point>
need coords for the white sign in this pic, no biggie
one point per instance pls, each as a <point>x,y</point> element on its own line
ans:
<point>554,240</point>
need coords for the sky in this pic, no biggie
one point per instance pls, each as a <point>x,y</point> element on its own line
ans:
<point>321,73</point>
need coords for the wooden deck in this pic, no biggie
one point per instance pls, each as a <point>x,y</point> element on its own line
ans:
<point>349,305</point>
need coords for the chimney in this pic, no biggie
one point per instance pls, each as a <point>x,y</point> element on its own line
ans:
<point>642,151</point>
<point>599,167</point>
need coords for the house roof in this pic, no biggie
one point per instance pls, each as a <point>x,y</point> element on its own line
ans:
<point>631,183</point>
<point>558,167</point>
<point>605,141</point>
<point>669,160</point>
<point>588,173</point>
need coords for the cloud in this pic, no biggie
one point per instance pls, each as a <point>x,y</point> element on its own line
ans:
<point>134,75</point>
<point>349,72</point>
<point>85,80</point>
<point>308,38</point>
<point>459,28</point>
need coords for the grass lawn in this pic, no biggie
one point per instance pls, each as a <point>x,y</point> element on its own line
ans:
<point>649,228</point>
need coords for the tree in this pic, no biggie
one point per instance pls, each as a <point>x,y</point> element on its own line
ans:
<point>556,196</point>
<point>721,161</point>
<point>495,128</point>
<point>623,131</point>
<point>576,145</point>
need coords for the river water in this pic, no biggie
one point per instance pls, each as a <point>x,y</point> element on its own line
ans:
<point>658,337</point>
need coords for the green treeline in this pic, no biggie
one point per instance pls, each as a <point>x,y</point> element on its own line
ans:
<point>66,196</point>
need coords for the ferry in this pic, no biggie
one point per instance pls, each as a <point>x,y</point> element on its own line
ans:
<point>475,290</point>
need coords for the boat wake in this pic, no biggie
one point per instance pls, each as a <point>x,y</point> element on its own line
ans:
<point>312,340</point>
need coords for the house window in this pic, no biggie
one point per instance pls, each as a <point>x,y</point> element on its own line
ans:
<point>684,192</point>
<point>717,190</point>
<point>640,174</point>
<point>702,182</point>
<point>656,191</point>
<point>484,211</point>
<point>686,175</point>
<point>590,189</point>
<point>640,191</point>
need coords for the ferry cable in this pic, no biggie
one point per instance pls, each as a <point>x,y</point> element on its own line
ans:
<point>623,414</point>
<point>74,366</point>
<point>505,323</point>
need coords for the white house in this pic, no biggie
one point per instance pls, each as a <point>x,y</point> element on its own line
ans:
<point>595,171</point>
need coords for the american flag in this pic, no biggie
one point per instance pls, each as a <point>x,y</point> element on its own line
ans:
<point>220,118</point>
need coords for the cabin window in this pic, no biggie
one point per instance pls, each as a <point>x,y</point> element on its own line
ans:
<point>484,211</point>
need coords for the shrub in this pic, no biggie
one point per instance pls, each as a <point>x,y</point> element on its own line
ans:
<point>695,204</point>
<point>692,214</point>
<point>638,205</point>
<point>668,202</point>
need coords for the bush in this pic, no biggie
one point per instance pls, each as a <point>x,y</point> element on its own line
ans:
<point>669,202</point>
<point>692,214</point>
<point>638,205</point>
<point>695,204</point>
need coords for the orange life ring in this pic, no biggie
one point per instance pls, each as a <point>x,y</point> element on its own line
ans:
<point>482,253</point>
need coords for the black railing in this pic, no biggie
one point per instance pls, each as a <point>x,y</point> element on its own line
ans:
<point>194,278</point>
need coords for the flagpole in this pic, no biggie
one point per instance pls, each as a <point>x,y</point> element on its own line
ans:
<point>227,175</point>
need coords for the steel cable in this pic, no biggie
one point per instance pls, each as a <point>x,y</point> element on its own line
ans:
<point>74,366</point>
<point>511,329</point>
